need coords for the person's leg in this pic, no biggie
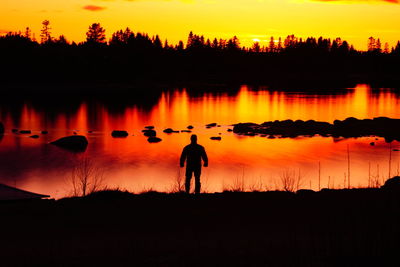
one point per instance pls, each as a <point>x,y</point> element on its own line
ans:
<point>188,178</point>
<point>197,174</point>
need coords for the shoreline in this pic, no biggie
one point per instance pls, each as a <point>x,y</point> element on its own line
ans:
<point>356,227</point>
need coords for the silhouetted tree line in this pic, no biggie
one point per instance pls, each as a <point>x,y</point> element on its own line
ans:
<point>130,56</point>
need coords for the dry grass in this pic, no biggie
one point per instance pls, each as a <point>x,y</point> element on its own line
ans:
<point>178,184</point>
<point>290,181</point>
<point>86,177</point>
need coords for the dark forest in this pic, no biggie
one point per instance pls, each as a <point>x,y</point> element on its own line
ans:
<point>131,57</point>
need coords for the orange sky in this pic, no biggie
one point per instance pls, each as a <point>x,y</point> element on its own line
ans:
<point>352,20</point>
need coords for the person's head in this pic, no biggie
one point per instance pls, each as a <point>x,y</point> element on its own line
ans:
<point>193,139</point>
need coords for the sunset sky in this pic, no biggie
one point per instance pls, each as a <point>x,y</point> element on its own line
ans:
<point>250,20</point>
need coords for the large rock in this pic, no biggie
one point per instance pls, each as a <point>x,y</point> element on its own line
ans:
<point>1,128</point>
<point>116,133</point>
<point>243,128</point>
<point>75,143</point>
<point>350,127</point>
<point>392,183</point>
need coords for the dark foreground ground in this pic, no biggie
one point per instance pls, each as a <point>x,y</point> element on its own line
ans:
<point>330,228</point>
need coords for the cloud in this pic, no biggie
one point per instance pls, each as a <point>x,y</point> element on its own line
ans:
<point>360,1</point>
<point>94,8</point>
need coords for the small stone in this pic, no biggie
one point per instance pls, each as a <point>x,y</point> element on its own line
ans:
<point>153,139</point>
<point>117,133</point>
<point>149,133</point>
<point>169,130</point>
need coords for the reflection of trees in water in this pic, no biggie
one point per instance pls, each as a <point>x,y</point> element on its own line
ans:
<point>51,105</point>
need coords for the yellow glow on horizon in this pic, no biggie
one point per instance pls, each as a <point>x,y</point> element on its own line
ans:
<point>250,20</point>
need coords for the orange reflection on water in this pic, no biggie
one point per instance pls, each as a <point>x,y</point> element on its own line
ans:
<point>136,165</point>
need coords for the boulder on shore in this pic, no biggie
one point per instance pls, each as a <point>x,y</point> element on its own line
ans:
<point>74,143</point>
<point>392,184</point>
<point>153,139</point>
<point>116,133</point>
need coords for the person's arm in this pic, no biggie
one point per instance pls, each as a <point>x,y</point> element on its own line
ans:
<point>205,158</point>
<point>183,157</point>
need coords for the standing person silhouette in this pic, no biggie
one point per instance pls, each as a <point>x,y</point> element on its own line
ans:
<point>193,154</point>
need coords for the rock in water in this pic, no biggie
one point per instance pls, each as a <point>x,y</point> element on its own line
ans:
<point>149,133</point>
<point>154,139</point>
<point>1,128</point>
<point>218,138</point>
<point>119,133</point>
<point>25,132</point>
<point>74,143</point>
<point>35,136</point>
<point>168,130</point>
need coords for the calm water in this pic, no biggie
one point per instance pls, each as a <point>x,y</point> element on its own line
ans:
<point>132,163</point>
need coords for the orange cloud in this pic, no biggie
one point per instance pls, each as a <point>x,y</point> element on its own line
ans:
<point>94,8</point>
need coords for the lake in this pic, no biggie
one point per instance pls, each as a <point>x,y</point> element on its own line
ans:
<point>256,162</point>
